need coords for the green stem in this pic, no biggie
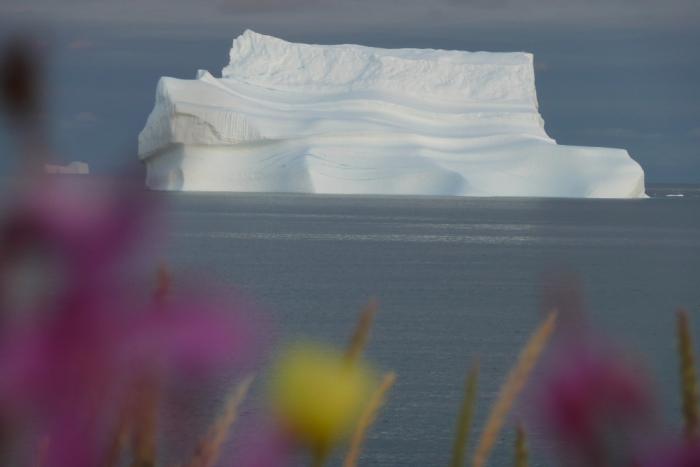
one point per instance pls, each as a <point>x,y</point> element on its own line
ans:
<point>521,454</point>
<point>464,422</point>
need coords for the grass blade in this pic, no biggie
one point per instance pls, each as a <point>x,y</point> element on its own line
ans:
<point>689,379</point>
<point>511,389</point>
<point>145,422</point>
<point>163,284</point>
<point>209,448</point>
<point>466,414</point>
<point>521,454</point>
<point>119,440</point>
<point>359,337</point>
<point>367,418</point>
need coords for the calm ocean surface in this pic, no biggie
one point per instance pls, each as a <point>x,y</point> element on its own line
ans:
<point>456,278</point>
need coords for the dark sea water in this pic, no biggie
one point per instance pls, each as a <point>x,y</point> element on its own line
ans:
<point>455,278</point>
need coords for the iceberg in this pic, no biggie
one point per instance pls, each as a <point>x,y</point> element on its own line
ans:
<point>73,168</point>
<point>351,119</point>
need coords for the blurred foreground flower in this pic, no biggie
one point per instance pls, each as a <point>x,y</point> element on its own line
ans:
<point>19,82</point>
<point>594,404</point>
<point>77,235</point>
<point>69,366</point>
<point>318,395</point>
<point>678,454</point>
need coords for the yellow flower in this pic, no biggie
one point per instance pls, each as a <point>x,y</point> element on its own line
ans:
<point>318,394</point>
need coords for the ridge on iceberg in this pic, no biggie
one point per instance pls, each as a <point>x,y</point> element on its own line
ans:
<point>350,119</point>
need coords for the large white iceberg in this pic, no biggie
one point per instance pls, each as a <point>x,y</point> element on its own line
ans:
<point>351,119</point>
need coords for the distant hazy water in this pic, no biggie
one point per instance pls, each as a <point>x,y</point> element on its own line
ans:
<point>455,278</point>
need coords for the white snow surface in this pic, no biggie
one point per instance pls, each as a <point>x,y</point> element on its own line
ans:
<point>349,119</point>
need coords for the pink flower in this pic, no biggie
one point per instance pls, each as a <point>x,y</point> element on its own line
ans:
<point>594,403</point>
<point>97,341</point>
<point>88,230</point>
<point>68,369</point>
<point>676,454</point>
<point>72,373</point>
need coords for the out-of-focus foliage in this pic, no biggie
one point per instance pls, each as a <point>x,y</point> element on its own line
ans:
<point>19,82</point>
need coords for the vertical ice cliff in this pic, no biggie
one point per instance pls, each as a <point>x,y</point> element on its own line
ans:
<point>351,119</point>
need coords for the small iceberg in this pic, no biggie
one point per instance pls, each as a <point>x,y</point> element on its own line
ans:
<point>74,168</point>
